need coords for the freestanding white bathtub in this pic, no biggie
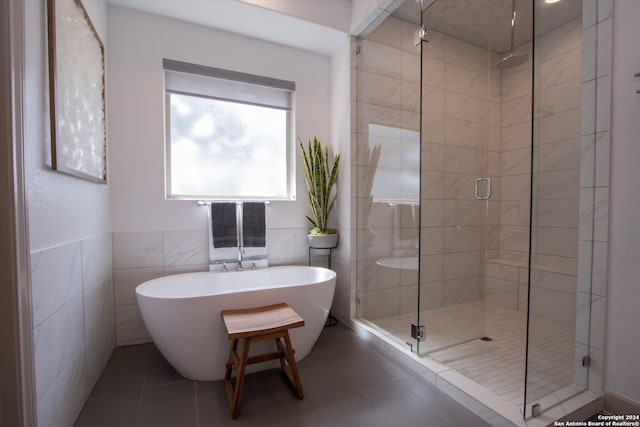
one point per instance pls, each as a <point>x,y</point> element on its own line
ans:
<point>182,312</point>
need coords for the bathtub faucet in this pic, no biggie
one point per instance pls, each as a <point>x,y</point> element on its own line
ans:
<point>240,253</point>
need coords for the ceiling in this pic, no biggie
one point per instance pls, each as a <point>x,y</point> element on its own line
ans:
<point>487,23</point>
<point>251,20</point>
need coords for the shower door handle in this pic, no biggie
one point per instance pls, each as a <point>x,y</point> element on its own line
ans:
<point>477,189</point>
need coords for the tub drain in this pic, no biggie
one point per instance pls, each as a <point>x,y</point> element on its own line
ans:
<point>486,339</point>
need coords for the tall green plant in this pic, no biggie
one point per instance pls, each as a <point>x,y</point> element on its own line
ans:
<point>320,180</point>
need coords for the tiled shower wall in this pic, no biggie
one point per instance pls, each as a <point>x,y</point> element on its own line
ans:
<point>557,165</point>
<point>593,234</point>
<point>465,110</point>
<point>557,150</point>
<point>460,226</point>
<point>590,65</point>
<point>515,160</point>
<point>461,116</point>
<point>72,302</point>
<point>386,76</point>
<point>571,187</point>
<point>142,256</point>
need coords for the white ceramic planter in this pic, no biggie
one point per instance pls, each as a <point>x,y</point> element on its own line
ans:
<point>325,241</point>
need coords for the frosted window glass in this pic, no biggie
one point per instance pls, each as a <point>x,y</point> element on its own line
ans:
<point>226,150</point>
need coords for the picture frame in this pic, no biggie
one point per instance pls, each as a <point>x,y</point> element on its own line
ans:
<point>76,92</point>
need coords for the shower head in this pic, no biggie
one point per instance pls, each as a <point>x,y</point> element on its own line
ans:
<point>511,59</point>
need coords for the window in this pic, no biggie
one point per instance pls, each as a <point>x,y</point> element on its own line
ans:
<point>228,136</point>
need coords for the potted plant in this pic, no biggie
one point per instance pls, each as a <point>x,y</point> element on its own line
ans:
<point>321,181</point>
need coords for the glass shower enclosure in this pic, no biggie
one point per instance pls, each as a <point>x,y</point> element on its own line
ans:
<point>468,130</point>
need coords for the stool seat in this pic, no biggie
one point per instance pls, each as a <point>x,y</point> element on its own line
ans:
<point>259,324</point>
<point>260,320</point>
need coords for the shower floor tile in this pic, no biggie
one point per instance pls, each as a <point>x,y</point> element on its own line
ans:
<point>497,365</point>
<point>444,326</point>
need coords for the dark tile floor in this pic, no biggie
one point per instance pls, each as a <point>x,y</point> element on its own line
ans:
<point>347,383</point>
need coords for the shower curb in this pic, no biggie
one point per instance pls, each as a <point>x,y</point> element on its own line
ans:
<point>487,405</point>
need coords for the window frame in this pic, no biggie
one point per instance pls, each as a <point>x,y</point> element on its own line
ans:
<point>178,79</point>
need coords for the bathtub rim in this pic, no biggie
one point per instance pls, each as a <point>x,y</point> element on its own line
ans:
<point>141,289</point>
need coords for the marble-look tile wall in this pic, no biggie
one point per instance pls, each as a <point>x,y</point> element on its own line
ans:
<point>571,184</point>
<point>386,76</point>
<point>73,325</point>
<point>553,295</point>
<point>571,149</point>
<point>562,101</point>
<point>557,167</point>
<point>142,256</point>
<point>515,160</point>
<point>595,146</point>
<point>506,283</point>
<point>558,100</point>
<point>572,134</point>
<point>557,161</point>
<point>460,119</point>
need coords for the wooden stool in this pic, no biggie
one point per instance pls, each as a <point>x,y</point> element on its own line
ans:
<point>259,324</point>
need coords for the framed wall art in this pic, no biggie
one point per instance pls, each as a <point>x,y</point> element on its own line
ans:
<point>76,92</point>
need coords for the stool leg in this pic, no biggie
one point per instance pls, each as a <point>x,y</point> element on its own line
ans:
<point>281,349</point>
<point>228,386</point>
<point>229,364</point>
<point>234,394</point>
<point>293,366</point>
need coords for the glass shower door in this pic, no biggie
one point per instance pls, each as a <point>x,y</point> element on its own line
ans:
<point>460,124</point>
<point>562,219</point>
<point>387,105</point>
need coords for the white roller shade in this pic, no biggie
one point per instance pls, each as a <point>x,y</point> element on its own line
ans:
<point>198,80</point>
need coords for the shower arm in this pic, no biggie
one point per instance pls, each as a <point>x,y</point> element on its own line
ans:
<point>513,23</point>
<point>423,8</point>
<point>420,34</point>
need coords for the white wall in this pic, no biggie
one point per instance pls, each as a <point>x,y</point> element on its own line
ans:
<point>138,42</point>
<point>329,13</point>
<point>153,236</point>
<point>70,243</point>
<point>622,373</point>
<point>61,208</point>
